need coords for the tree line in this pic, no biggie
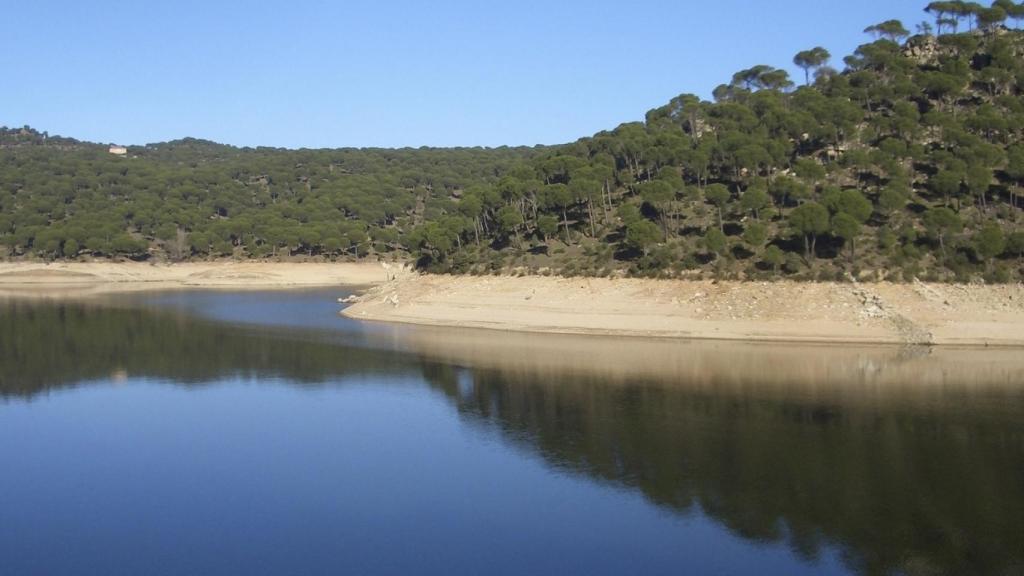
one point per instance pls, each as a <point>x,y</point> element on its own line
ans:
<point>904,162</point>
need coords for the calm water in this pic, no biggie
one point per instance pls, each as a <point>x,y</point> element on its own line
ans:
<point>260,433</point>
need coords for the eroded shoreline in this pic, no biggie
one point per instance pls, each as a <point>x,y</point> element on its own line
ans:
<point>837,313</point>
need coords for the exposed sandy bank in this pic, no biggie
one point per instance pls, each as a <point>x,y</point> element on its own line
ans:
<point>915,313</point>
<point>84,278</point>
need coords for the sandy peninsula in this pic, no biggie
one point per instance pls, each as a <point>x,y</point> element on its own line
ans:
<point>876,313</point>
<point>915,313</point>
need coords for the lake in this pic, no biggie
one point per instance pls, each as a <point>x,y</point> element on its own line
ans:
<point>205,432</point>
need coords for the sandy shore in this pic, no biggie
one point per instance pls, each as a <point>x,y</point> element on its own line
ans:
<point>915,313</point>
<point>85,278</point>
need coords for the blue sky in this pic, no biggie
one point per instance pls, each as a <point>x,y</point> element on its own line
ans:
<point>309,73</point>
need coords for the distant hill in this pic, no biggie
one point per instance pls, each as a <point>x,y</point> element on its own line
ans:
<point>905,161</point>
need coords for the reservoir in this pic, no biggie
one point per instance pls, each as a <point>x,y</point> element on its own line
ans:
<point>189,432</point>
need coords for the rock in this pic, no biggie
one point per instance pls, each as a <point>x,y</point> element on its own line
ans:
<point>924,49</point>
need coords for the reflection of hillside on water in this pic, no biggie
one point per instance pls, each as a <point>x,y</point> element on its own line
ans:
<point>909,460</point>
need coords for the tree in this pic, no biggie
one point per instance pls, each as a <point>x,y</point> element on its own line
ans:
<point>812,59</point>
<point>199,243</point>
<point>659,194</point>
<point>989,242</point>
<point>754,200</point>
<point>750,78</point>
<point>947,183</point>
<point>547,225</point>
<point>762,77</point>
<point>332,244</point>
<point>855,204</point>
<point>940,9</point>
<point>785,189</point>
<point>774,257</point>
<point>585,188</point>
<point>990,18</point>
<point>776,80</point>
<point>941,86</point>
<point>71,248</point>
<point>454,225</point>
<point>960,9</point>
<point>558,196</point>
<point>718,194</point>
<point>1015,243</point>
<point>125,244</point>
<point>941,223</point>
<point>1015,170</point>
<point>847,227</point>
<point>1013,10</point>
<point>978,180</point>
<point>755,234</point>
<point>629,213</point>
<point>715,241</point>
<point>892,30</point>
<point>433,240</point>
<point>642,234</point>
<point>809,220</point>
<point>510,219</point>
<point>893,198</point>
<point>809,170</point>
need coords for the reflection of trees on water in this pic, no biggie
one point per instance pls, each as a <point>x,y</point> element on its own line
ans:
<point>939,491</point>
<point>933,484</point>
<point>44,346</point>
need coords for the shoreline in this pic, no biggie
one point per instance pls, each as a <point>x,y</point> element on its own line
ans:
<point>782,311</point>
<point>807,313</point>
<point>83,279</point>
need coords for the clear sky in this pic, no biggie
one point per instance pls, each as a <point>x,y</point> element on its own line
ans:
<point>308,73</point>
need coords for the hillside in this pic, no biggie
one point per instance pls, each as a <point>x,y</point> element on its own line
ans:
<point>905,162</point>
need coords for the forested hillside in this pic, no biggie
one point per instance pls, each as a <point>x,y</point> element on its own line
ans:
<point>903,161</point>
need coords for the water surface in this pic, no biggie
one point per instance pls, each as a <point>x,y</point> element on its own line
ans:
<point>259,433</point>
